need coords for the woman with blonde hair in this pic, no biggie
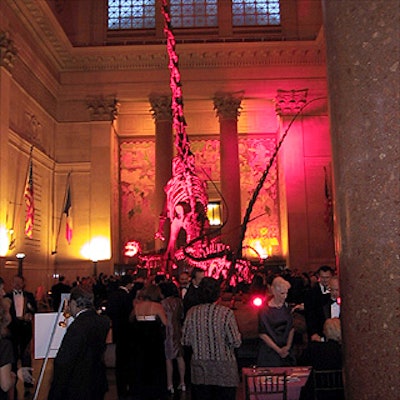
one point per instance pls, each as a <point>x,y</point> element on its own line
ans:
<point>275,328</point>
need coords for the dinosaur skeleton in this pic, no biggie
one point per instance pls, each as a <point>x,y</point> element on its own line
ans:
<point>186,195</point>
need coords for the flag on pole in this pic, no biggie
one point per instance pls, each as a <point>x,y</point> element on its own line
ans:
<point>67,212</point>
<point>29,204</point>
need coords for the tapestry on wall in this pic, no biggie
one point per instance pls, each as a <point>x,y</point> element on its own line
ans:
<point>137,176</point>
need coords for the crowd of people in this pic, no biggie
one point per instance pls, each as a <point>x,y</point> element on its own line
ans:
<point>159,324</point>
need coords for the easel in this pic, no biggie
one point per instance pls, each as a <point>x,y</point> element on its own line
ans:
<point>64,299</point>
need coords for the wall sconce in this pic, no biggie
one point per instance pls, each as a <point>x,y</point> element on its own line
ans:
<point>20,258</point>
<point>97,249</point>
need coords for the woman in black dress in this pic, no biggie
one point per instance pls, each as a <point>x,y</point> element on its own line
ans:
<point>148,319</point>
<point>275,328</point>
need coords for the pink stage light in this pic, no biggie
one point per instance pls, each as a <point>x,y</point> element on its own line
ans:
<point>132,248</point>
<point>257,301</point>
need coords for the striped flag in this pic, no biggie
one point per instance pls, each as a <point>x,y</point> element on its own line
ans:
<point>67,212</point>
<point>29,204</point>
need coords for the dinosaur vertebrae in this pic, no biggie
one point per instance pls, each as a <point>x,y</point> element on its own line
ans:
<point>186,192</point>
<point>179,123</point>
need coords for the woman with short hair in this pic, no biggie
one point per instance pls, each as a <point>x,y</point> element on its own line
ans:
<point>211,330</point>
<point>275,328</point>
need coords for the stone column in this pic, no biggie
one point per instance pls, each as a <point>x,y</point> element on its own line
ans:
<point>103,111</point>
<point>7,56</point>
<point>162,114</point>
<point>227,106</point>
<point>364,80</point>
<point>292,178</point>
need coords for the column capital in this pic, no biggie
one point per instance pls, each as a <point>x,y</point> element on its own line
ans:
<point>160,107</point>
<point>102,108</point>
<point>227,105</point>
<point>7,51</point>
<point>289,102</point>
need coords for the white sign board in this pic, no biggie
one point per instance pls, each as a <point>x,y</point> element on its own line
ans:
<point>45,325</point>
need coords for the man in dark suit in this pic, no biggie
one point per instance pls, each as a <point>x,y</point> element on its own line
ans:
<point>22,309</point>
<point>57,290</point>
<point>79,369</point>
<point>314,301</point>
<point>183,279</point>
<point>332,308</point>
<point>324,356</point>
<point>119,307</point>
<point>192,295</point>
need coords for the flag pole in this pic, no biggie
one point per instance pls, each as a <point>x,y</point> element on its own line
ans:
<point>62,213</point>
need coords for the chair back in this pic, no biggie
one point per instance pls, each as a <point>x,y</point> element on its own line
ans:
<point>261,384</point>
<point>328,385</point>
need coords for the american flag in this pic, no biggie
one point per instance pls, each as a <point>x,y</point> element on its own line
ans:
<point>67,212</point>
<point>29,204</point>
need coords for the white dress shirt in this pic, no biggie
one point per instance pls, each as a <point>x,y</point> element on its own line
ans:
<point>335,310</point>
<point>18,303</point>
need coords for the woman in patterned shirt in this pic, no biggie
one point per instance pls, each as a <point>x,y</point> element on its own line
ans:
<point>211,330</point>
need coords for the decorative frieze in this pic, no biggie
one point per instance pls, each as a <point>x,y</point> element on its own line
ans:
<point>7,51</point>
<point>290,102</point>
<point>160,107</point>
<point>102,108</point>
<point>227,105</point>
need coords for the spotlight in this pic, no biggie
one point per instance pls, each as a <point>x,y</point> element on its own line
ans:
<point>257,301</point>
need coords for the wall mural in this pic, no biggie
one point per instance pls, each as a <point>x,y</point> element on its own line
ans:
<point>137,176</point>
<point>263,230</point>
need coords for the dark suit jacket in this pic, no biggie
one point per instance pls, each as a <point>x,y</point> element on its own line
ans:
<point>30,305</point>
<point>79,369</point>
<point>21,330</point>
<point>191,298</point>
<point>119,307</point>
<point>323,356</point>
<point>327,309</point>
<point>313,310</point>
<point>56,291</point>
